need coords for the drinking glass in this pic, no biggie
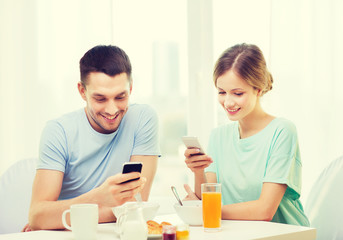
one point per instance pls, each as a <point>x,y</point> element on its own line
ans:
<point>211,206</point>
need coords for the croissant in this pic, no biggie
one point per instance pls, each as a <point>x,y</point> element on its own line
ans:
<point>155,227</point>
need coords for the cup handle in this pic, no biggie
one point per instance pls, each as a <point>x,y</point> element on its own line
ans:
<point>65,224</point>
<point>120,221</point>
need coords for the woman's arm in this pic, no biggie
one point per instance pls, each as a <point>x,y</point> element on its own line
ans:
<point>209,177</point>
<point>262,209</point>
<point>197,163</point>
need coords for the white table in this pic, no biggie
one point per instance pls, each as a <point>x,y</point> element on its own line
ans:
<point>237,230</point>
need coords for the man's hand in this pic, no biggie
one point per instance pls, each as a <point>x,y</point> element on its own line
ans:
<point>191,195</point>
<point>114,193</point>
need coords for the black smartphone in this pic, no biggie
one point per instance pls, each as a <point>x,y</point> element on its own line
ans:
<point>132,167</point>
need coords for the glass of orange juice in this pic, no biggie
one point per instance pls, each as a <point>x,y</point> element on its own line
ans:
<point>211,206</point>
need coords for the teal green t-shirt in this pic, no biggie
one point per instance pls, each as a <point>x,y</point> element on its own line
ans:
<point>243,165</point>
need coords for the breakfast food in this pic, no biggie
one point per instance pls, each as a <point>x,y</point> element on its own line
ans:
<point>155,227</point>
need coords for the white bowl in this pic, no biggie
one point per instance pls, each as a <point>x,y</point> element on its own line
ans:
<point>149,209</point>
<point>190,212</point>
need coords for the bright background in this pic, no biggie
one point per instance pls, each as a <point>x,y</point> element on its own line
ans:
<point>173,46</point>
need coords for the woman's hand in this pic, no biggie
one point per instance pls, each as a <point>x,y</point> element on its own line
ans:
<point>26,228</point>
<point>195,161</point>
<point>191,195</point>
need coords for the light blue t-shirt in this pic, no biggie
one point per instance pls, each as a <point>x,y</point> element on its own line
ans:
<point>243,165</point>
<point>69,144</point>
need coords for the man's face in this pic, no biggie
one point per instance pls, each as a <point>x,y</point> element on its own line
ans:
<point>107,100</point>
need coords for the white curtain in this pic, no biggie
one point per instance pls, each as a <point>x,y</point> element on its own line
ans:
<point>40,46</point>
<point>306,62</point>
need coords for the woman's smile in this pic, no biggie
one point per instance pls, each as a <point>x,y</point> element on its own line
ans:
<point>233,111</point>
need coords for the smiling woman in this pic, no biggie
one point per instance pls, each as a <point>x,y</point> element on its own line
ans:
<point>256,158</point>
<point>236,96</point>
<point>241,77</point>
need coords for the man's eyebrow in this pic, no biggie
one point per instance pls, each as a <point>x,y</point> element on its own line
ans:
<point>101,95</point>
<point>97,95</point>
<point>122,93</point>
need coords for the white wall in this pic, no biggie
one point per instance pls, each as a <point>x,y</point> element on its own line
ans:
<point>41,44</point>
<point>43,40</point>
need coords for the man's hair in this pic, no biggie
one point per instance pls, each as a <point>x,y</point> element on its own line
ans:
<point>110,60</point>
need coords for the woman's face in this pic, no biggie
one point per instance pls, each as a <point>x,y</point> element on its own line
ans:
<point>236,96</point>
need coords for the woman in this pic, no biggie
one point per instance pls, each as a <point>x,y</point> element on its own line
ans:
<point>256,158</point>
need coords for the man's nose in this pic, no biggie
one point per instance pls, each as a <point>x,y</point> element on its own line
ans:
<point>111,108</point>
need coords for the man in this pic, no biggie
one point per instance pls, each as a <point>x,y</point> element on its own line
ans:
<point>81,153</point>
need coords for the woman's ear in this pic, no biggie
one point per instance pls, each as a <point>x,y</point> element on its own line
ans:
<point>259,92</point>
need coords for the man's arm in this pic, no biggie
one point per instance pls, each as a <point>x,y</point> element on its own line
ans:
<point>46,211</point>
<point>148,171</point>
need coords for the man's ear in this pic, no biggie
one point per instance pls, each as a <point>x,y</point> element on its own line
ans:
<point>82,90</point>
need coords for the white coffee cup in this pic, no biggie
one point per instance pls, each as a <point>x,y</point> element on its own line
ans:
<point>83,219</point>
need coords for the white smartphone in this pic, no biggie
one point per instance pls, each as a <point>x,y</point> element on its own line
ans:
<point>193,142</point>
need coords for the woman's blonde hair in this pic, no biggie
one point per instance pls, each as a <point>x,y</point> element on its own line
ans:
<point>248,62</point>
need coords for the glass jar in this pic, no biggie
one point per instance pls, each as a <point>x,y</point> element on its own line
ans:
<point>169,232</point>
<point>182,232</point>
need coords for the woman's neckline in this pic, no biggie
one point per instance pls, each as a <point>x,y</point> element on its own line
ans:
<point>257,132</point>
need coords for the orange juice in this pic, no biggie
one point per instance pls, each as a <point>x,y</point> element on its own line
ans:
<point>211,209</point>
<point>182,235</point>
<point>182,232</point>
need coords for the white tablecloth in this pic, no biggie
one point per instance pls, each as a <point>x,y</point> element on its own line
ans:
<point>238,230</point>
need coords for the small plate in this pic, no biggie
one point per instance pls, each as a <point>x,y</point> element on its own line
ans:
<point>154,236</point>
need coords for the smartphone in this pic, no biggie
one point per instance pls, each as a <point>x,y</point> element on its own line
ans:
<point>132,167</point>
<point>193,142</point>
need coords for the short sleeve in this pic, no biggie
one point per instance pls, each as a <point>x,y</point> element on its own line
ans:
<point>146,137</point>
<point>284,163</point>
<point>53,148</point>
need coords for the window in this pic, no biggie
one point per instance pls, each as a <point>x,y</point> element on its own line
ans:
<point>158,53</point>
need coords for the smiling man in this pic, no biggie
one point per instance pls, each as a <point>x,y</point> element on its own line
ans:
<point>81,153</point>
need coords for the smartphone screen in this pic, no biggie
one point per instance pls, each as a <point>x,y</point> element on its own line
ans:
<point>132,167</point>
